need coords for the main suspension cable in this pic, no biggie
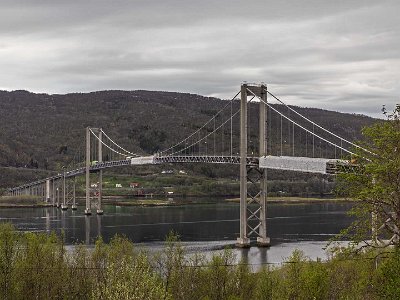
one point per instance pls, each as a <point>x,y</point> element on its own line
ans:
<point>319,126</point>
<point>205,124</point>
<point>298,125</point>
<point>118,145</point>
<point>115,151</point>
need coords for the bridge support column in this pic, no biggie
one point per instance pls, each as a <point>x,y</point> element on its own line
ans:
<point>42,192</point>
<point>58,194</point>
<point>88,210</point>
<point>48,192</point>
<point>64,205</point>
<point>243,240</point>
<point>87,231</point>
<point>53,193</point>
<point>100,184</point>
<point>74,207</point>
<point>253,197</point>
<point>262,239</point>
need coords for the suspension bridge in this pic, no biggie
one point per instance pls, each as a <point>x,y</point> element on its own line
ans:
<point>226,138</point>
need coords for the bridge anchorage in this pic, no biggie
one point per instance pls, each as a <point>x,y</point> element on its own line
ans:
<point>275,143</point>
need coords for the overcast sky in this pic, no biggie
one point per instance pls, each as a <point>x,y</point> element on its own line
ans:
<point>338,55</point>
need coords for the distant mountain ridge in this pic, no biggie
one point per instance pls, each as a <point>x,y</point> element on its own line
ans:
<point>45,131</point>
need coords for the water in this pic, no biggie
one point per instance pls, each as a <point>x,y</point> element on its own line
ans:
<point>202,227</point>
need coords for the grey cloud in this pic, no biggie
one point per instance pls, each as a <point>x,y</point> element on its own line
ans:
<point>340,55</point>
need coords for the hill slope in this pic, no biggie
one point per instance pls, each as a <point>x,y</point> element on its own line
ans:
<point>45,131</point>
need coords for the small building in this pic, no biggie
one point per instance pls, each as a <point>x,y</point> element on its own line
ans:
<point>133,185</point>
<point>167,172</point>
<point>118,185</point>
<point>182,172</point>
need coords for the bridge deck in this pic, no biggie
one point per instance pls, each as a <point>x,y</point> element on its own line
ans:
<point>301,164</point>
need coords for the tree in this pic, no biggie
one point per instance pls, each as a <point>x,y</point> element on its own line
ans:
<point>151,140</point>
<point>375,185</point>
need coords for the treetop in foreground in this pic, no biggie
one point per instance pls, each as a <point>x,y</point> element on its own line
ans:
<point>376,185</point>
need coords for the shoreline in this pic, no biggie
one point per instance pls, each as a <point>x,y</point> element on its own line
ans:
<point>177,201</point>
<point>295,200</point>
<point>15,205</point>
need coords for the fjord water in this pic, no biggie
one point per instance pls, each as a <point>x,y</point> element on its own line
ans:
<point>205,226</point>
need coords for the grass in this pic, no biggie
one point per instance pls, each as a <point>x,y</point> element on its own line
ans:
<point>21,201</point>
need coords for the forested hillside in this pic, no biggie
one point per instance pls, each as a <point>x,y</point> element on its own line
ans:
<point>45,131</point>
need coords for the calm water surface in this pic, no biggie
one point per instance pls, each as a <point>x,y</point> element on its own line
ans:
<point>203,227</point>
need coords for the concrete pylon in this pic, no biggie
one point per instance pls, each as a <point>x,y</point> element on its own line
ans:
<point>53,193</point>
<point>243,240</point>
<point>74,206</point>
<point>262,239</point>
<point>100,185</point>
<point>58,194</point>
<point>64,205</point>
<point>88,210</point>
<point>48,191</point>
<point>253,219</point>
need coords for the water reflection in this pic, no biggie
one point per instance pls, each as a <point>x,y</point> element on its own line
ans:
<point>48,228</point>
<point>87,230</point>
<point>99,224</point>
<point>218,221</point>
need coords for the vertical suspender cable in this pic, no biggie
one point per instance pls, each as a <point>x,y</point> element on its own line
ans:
<point>341,148</point>
<point>269,133</point>
<point>326,151</point>
<point>281,135</point>
<point>320,148</point>
<point>306,143</point>
<point>293,137</point>
<point>222,138</point>
<point>313,142</point>
<point>288,136</point>
<point>214,136</point>
<point>231,131</point>
<point>94,150</point>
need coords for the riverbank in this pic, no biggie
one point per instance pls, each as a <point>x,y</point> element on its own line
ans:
<point>23,201</point>
<point>178,201</point>
<point>295,200</point>
<point>26,201</point>
<point>150,202</point>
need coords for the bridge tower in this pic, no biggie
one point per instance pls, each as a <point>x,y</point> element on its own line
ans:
<point>252,204</point>
<point>99,136</point>
<point>88,210</point>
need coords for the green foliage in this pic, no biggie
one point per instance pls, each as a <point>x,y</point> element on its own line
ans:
<point>38,266</point>
<point>387,280</point>
<point>8,257</point>
<point>128,275</point>
<point>375,182</point>
<point>151,141</point>
<point>304,279</point>
<point>351,275</point>
<point>266,284</point>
